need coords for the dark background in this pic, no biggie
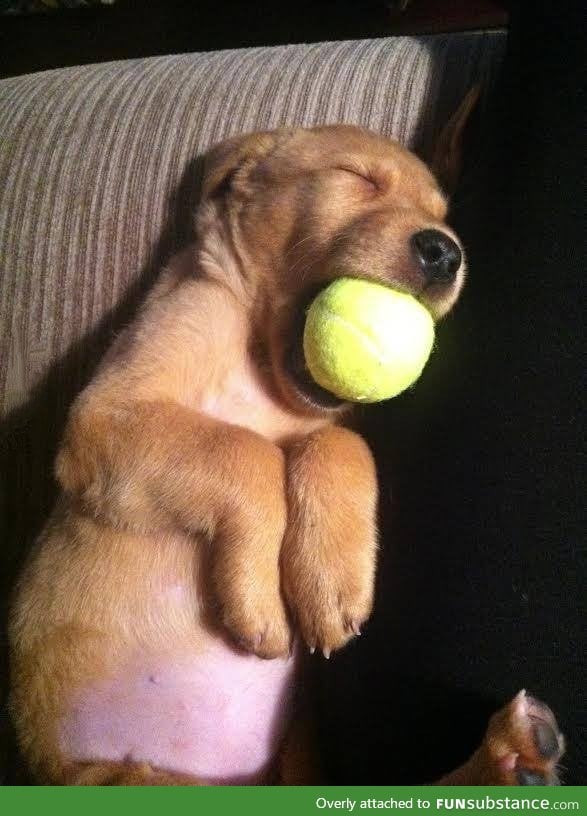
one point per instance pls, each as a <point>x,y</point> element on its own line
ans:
<point>483,580</point>
<point>142,28</point>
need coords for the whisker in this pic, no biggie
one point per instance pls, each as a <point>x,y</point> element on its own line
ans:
<point>306,258</point>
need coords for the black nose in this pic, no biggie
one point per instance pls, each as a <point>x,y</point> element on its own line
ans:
<point>438,256</point>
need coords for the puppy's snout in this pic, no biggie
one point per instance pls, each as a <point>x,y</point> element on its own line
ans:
<point>437,255</point>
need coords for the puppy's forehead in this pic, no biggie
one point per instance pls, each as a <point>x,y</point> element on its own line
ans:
<point>349,137</point>
<point>343,145</point>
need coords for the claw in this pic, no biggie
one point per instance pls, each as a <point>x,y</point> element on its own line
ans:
<point>520,703</point>
<point>355,628</point>
<point>250,644</point>
<point>326,653</point>
<point>312,649</point>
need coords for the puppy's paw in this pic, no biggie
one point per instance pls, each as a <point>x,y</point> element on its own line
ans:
<point>523,744</point>
<point>257,623</point>
<point>328,609</point>
<point>329,550</point>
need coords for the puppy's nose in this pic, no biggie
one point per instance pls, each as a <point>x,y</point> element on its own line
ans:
<point>437,254</point>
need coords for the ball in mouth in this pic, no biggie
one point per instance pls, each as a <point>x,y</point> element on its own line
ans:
<point>366,342</point>
<point>358,341</point>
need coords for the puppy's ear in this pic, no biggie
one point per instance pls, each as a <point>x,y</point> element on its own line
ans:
<point>224,160</point>
<point>447,155</point>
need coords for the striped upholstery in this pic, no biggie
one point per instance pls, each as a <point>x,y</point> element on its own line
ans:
<point>99,176</point>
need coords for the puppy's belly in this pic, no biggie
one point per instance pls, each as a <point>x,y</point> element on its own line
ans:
<point>216,714</point>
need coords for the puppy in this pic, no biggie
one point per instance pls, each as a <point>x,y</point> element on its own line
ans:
<point>216,518</point>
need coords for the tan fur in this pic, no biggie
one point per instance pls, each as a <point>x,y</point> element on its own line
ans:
<point>192,456</point>
<point>328,555</point>
<point>114,773</point>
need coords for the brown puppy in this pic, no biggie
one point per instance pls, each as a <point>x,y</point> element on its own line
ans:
<point>211,502</point>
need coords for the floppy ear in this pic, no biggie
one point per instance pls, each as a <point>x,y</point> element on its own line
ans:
<point>448,152</point>
<point>225,159</point>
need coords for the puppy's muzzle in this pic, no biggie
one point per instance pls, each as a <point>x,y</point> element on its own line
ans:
<point>437,255</point>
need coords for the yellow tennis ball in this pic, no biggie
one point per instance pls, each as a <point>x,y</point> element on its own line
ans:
<point>365,342</point>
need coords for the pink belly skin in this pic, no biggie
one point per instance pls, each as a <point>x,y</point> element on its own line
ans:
<point>217,714</point>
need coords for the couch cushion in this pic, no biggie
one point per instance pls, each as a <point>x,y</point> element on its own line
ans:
<point>99,177</point>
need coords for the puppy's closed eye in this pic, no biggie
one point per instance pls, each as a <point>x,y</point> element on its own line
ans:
<point>361,175</point>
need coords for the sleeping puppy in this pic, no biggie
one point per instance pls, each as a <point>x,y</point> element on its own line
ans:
<point>216,518</point>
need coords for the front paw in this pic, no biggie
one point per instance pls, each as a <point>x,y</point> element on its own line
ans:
<point>329,605</point>
<point>329,550</point>
<point>256,620</point>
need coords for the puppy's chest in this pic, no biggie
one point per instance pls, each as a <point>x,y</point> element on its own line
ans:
<point>239,397</point>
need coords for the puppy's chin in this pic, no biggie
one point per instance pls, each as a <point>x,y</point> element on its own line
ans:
<point>306,389</point>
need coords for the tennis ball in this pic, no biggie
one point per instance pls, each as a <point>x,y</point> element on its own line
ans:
<point>365,342</point>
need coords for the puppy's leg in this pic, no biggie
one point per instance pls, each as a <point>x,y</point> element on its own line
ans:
<point>328,557</point>
<point>119,773</point>
<point>522,746</point>
<point>159,465</point>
